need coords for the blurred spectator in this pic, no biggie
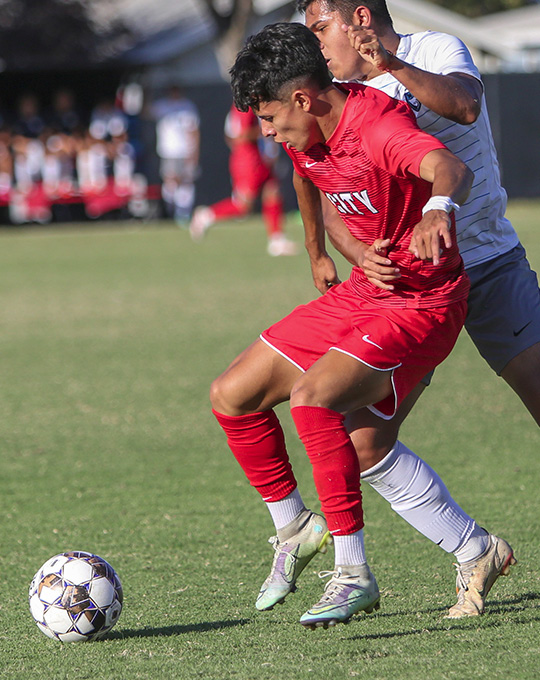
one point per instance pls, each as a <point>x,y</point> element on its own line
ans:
<point>6,165</point>
<point>56,166</point>
<point>59,165</point>
<point>131,98</point>
<point>28,202</point>
<point>107,120</point>
<point>105,161</point>
<point>178,147</point>
<point>92,161</point>
<point>64,117</point>
<point>29,121</point>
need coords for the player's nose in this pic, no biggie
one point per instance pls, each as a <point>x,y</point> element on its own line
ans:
<point>267,129</point>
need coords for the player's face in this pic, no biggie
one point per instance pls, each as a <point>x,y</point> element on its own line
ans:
<point>287,123</point>
<point>343,60</point>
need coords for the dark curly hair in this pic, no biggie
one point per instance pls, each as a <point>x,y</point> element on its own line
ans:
<point>274,61</point>
<point>345,8</point>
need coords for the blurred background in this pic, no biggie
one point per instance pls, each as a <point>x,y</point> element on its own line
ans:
<point>86,87</point>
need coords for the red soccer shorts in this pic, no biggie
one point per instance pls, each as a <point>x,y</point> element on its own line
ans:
<point>409,342</point>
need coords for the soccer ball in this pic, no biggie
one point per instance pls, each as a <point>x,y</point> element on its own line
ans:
<point>75,597</point>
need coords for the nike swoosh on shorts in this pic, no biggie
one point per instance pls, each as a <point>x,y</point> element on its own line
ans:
<point>365,338</point>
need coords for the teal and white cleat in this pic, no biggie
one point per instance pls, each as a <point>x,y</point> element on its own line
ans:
<point>345,594</point>
<point>290,559</point>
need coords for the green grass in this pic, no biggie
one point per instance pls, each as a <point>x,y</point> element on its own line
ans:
<point>109,340</point>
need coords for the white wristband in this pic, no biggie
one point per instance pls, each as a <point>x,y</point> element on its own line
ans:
<point>440,203</point>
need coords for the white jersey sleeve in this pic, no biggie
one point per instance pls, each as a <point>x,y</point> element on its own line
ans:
<point>483,231</point>
<point>444,54</point>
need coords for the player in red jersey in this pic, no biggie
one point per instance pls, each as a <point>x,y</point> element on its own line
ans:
<point>434,73</point>
<point>358,346</point>
<point>251,175</point>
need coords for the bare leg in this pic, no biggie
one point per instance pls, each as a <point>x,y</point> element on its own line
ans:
<point>373,437</point>
<point>523,376</point>
<point>257,380</point>
<point>339,382</point>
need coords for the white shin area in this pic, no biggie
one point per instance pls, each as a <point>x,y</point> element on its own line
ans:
<point>417,493</point>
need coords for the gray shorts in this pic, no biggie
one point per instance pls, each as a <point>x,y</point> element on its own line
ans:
<point>503,317</point>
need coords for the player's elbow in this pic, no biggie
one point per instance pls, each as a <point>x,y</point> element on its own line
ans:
<point>470,112</point>
<point>465,183</point>
<point>468,176</point>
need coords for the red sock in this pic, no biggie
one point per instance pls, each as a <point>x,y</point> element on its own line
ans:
<point>258,444</point>
<point>272,210</point>
<point>336,470</point>
<point>227,208</point>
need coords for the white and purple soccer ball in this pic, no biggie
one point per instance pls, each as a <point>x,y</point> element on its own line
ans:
<point>75,597</point>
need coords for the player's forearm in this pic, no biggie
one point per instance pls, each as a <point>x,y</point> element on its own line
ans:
<point>341,238</point>
<point>309,204</point>
<point>448,175</point>
<point>454,182</point>
<point>455,96</point>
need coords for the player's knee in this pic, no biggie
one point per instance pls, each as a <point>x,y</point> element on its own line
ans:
<point>304,393</point>
<point>222,396</point>
<point>244,204</point>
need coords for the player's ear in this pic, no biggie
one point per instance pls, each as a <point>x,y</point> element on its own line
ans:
<point>362,17</point>
<point>302,99</point>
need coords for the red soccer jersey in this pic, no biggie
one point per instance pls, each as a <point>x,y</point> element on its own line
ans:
<point>368,170</point>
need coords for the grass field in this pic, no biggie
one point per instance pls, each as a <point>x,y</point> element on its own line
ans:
<point>110,337</point>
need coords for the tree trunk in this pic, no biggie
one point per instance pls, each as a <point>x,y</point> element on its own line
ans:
<point>232,32</point>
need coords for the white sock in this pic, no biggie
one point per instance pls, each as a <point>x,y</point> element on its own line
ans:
<point>283,512</point>
<point>474,546</point>
<point>349,550</point>
<point>417,493</point>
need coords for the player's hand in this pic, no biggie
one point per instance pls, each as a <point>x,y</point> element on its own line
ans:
<point>368,46</point>
<point>428,234</point>
<point>377,267</point>
<point>324,273</point>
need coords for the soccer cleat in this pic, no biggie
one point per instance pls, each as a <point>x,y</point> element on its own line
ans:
<point>290,559</point>
<point>475,578</point>
<point>202,220</point>
<point>344,595</point>
<point>281,245</point>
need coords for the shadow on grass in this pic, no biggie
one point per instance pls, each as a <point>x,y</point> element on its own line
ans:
<point>518,603</point>
<point>527,601</point>
<point>175,630</point>
<point>494,607</point>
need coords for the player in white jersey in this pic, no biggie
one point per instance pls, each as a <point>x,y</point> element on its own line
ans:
<point>435,74</point>
<point>178,147</point>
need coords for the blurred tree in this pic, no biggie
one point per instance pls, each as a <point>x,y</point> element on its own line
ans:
<point>51,34</point>
<point>482,7</point>
<point>232,25</point>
